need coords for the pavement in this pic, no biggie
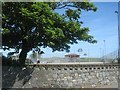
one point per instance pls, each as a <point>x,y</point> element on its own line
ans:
<point>114,85</point>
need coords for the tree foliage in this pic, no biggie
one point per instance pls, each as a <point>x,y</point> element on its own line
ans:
<point>28,25</point>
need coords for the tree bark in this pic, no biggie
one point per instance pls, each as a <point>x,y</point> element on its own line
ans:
<point>118,60</point>
<point>23,53</point>
<point>23,56</point>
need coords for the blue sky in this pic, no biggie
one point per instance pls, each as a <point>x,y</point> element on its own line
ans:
<point>103,25</point>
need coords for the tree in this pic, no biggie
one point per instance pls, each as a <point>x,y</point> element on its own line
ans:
<point>80,50</point>
<point>30,25</point>
<point>85,54</point>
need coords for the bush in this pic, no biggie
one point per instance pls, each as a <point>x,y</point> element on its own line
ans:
<point>9,62</point>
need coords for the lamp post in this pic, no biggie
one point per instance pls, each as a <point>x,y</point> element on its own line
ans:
<point>118,13</point>
<point>88,55</point>
<point>104,50</point>
<point>100,53</point>
<point>119,32</point>
<point>80,50</point>
<point>118,42</point>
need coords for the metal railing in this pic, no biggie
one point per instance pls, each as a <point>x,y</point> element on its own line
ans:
<point>111,57</point>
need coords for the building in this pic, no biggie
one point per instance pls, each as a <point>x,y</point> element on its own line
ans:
<point>72,56</point>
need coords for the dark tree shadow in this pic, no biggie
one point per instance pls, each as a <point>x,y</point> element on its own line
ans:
<point>10,74</point>
<point>12,71</point>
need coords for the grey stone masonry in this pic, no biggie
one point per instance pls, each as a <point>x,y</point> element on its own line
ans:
<point>61,76</point>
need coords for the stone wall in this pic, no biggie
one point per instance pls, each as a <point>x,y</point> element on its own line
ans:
<point>61,76</point>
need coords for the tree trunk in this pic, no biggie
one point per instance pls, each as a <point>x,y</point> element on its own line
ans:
<point>23,53</point>
<point>22,57</point>
<point>118,60</point>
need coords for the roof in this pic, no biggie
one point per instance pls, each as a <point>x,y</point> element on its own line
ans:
<point>72,55</point>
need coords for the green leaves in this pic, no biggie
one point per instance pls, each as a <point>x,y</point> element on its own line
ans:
<point>73,14</point>
<point>34,24</point>
<point>6,31</point>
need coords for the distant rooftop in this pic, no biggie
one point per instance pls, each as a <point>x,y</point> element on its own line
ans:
<point>72,55</point>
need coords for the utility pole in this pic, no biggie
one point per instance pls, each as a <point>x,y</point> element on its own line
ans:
<point>119,32</point>
<point>119,43</point>
<point>88,55</point>
<point>100,53</point>
<point>80,50</point>
<point>104,50</point>
<point>118,15</point>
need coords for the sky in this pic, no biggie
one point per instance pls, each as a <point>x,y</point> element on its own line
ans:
<point>103,25</point>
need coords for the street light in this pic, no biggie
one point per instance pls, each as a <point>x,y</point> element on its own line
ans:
<point>118,13</point>
<point>104,49</point>
<point>80,50</point>
<point>88,55</point>
<point>100,53</point>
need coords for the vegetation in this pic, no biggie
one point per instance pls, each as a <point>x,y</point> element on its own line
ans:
<point>9,62</point>
<point>32,25</point>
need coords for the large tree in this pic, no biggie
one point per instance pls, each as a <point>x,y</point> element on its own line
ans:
<point>28,25</point>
